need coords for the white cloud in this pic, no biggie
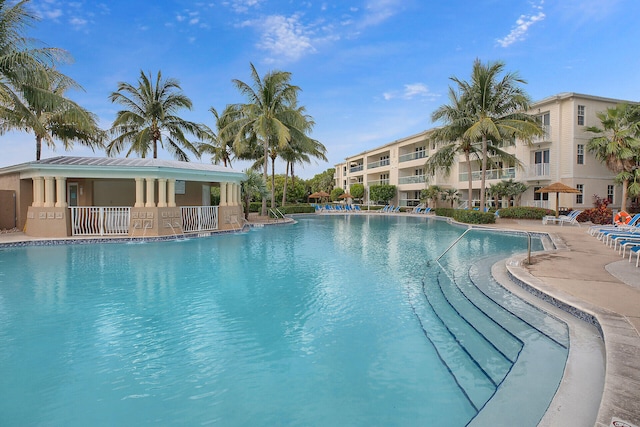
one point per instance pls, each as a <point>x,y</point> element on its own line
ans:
<point>519,32</point>
<point>77,22</point>
<point>377,11</point>
<point>410,91</point>
<point>283,37</point>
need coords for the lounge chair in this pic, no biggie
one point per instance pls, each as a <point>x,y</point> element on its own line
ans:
<point>356,208</point>
<point>635,250</point>
<point>599,229</point>
<point>397,209</point>
<point>570,218</point>
<point>426,210</point>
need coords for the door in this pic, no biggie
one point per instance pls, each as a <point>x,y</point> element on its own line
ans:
<point>72,194</point>
<point>206,195</point>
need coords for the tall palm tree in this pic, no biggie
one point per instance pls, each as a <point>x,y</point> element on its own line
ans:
<point>453,142</point>
<point>617,144</point>
<point>149,118</point>
<point>267,116</point>
<point>45,111</point>
<point>218,143</point>
<point>494,110</point>
<point>28,75</point>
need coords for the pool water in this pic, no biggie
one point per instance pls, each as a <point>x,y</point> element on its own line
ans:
<point>339,320</point>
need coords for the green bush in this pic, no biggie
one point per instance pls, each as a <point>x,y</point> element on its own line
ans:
<point>296,209</point>
<point>523,212</point>
<point>255,206</point>
<point>473,217</point>
<point>467,216</point>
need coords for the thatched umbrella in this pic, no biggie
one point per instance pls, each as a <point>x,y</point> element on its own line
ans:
<point>345,196</point>
<point>318,195</point>
<point>557,187</point>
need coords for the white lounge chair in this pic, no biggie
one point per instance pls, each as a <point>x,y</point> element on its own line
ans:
<point>570,218</point>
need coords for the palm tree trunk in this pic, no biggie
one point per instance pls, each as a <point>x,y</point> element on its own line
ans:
<point>625,190</point>
<point>466,157</point>
<point>265,175</point>
<point>273,182</point>
<point>284,189</point>
<point>38,147</point>
<point>484,172</point>
<point>155,148</point>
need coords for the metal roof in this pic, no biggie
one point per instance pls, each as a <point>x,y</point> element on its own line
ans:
<point>105,167</point>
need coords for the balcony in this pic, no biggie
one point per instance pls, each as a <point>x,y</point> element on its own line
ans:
<point>539,171</point>
<point>507,173</point>
<point>378,164</point>
<point>413,156</point>
<point>412,179</point>
<point>379,182</point>
<point>543,138</point>
<point>356,168</point>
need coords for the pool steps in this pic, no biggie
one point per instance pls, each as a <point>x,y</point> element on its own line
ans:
<point>484,357</point>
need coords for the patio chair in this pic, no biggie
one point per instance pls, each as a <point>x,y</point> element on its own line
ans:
<point>356,208</point>
<point>426,210</point>
<point>570,218</point>
<point>635,250</point>
<point>599,229</point>
<point>396,209</point>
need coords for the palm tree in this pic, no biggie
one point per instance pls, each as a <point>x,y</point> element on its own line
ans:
<point>617,144</point>
<point>267,118</point>
<point>450,195</point>
<point>149,118</point>
<point>494,110</point>
<point>46,112</point>
<point>219,144</point>
<point>453,142</point>
<point>254,184</point>
<point>32,91</point>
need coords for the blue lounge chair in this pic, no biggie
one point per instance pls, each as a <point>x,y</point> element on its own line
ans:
<point>598,230</point>
<point>357,208</point>
<point>426,210</point>
<point>397,209</point>
<point>635,250</point>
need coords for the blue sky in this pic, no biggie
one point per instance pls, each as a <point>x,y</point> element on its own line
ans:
<point>371,71</point>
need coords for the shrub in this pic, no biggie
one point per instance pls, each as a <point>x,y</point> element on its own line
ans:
<point>599,214</point>
<point>295,209</point>
<point>467,216</point>
<point>524,212</point>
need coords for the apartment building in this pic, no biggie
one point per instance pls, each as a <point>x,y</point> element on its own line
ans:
<point>560,155</point>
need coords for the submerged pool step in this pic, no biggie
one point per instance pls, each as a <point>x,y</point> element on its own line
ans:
<point>473,381</point>
<point>467,326</point>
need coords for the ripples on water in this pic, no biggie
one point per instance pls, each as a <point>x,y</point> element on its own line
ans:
<point>301,325</point>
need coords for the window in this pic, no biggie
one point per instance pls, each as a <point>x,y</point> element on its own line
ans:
<point>541,163</point>
<point>539,196</point>
<point>421,152</point>
<point>580,152</point>
<point>344,184</point>
<point>384,160</point>
<point>610,193</point>
<point>580,115</point>
<point>579,197</point>
<point>419,172</point>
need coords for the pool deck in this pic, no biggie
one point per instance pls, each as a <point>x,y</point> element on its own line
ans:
<point>590,276</point>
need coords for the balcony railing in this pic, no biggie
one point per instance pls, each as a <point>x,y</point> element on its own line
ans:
<point>412,179</point>
<point>379,182</point>
<point>378,164</point>
<point>356,168</point>
<point>539,170</point>
<point>412,156</point>
<point>99,220</point>
<point>546,137</point>
<point>506,173</point>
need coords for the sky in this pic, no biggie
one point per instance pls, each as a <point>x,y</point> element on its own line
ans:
<point>370,71</point>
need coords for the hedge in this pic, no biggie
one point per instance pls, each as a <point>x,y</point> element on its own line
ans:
<point>467,216</point>
<point>524,212</point>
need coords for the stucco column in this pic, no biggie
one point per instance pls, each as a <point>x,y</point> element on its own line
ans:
<point>38,192</point>
<point>236,199</point>
<point>162,193</point>
<point>49,192</point>
<point>151,197</point>
<point>61,192</point>
<point>239,194</point>
<point>139,193</point>
<point>172,193</point>
<point>223,194</point>
<point>230,194</point>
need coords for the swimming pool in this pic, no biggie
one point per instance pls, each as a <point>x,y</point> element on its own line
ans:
<point>340,320</point>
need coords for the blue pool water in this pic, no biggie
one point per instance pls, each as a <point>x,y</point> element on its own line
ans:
<point>343,320</point>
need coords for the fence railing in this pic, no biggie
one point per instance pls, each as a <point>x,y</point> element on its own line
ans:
<point>199,218</point>
<point>100,221</point>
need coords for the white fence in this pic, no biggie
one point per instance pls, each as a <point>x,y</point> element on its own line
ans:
<point>100,221</point>
<point>199,218</point>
